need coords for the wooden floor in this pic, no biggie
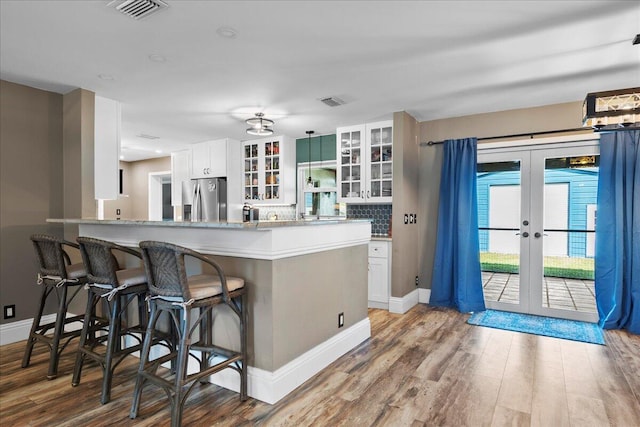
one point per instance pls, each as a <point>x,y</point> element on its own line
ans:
<point>426,367</point>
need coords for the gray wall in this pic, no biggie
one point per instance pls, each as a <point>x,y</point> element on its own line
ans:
<point>31,188</point>
<point>294,302</point>
<point>538,119</point>
<point>404,259</point>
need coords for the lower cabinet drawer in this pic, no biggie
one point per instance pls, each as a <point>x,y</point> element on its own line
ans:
<point>378,249</point>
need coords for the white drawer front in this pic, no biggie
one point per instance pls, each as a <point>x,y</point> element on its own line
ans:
<point>378,249</point>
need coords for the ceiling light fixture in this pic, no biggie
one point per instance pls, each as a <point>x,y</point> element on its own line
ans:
<point>227,32</point>
<point>612,108</point>
<point>156,57</point>
<point>259,125</point>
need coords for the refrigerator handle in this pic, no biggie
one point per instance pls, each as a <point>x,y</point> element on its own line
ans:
<point>195,206</point>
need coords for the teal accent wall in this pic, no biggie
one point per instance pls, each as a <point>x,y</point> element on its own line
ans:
<point>327,142</point>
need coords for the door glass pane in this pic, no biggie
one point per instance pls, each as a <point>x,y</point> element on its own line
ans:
<point>498,188</point>
<point>570,191</point>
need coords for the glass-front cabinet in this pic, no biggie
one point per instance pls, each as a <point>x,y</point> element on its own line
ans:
<point>380,156</point>
<point>350,141</point>
<point>365,171</point>
<point>265,169</point>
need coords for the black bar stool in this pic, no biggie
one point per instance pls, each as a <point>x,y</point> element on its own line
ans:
<point>117,288</point>
<point>62,279</point>
<point>175,293</point>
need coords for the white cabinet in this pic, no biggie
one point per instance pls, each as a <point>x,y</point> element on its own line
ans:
<point>379,274</point>
<point>365,169</point>
<point>268,171</point>
<point>209,159</point>
<point>106,148</point>
<point>180,171</point>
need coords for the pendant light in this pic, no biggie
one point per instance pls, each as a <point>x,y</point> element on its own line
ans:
<point>309,180</point>
<point>259,125</point>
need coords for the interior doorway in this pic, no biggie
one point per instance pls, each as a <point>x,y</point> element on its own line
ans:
<point>536,216</point>
<point>160,208</point>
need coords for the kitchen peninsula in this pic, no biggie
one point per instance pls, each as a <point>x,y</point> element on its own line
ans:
<point>301,276</point>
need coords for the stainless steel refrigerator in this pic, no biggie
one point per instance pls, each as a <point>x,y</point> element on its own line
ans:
<point>204,199</point>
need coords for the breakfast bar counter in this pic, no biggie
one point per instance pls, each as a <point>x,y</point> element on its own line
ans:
<point>302,277</point>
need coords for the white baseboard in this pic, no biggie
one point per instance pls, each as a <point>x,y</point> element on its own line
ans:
<point>377,304</point>
<point>270,387</point>
<point>18,331</point>
<point>424,295</point>
<point>404,304</point>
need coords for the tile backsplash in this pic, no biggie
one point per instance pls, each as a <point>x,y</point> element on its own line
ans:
<point>378,214</point>
<point>287,213</point>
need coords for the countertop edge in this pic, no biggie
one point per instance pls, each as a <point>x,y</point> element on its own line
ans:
<point>260,225</point>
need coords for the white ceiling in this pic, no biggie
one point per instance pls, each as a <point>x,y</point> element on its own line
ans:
<point>433,59</point>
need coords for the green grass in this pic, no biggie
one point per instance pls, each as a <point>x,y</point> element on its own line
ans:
<point>566,267</point>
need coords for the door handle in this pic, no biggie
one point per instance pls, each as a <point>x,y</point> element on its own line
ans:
<point>524,234</point>
<point>537,235</point>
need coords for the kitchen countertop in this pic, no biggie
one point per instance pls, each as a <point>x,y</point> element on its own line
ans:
<point>381,237</point>
<point>260,225</point>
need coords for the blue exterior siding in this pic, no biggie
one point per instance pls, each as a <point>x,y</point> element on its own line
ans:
<point>583,186</point>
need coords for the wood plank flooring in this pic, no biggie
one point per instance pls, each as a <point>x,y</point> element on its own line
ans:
<point>424,368</point>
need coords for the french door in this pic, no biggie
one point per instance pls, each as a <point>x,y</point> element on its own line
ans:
<point>536,217</point>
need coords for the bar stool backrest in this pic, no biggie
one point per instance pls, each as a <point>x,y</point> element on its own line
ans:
<point>165,268</point>
<point>51,255</point>
<point>99,261</point>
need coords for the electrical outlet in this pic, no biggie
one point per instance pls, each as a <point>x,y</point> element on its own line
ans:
<point>340,320</point>
<point>406,218</point>
<point>417,281</point>
<point>411,218</point>
<point>9,311</point>
<point>117,211</point>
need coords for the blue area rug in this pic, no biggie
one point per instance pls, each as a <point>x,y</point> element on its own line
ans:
<point>538,325</point>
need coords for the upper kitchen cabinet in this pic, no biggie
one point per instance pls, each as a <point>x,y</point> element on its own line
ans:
<point>107,124</point>
<point>209,159</point>
<point>365,165</point>
<point>269,171</point>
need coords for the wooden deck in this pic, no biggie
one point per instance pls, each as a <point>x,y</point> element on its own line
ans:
<point>561,293</point>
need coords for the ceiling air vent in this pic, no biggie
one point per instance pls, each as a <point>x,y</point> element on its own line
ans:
<point>147,136</point>
<point>138,9</point>
<point>332,101</point>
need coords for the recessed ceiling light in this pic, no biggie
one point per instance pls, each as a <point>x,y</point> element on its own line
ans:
<point>121,157</point>
<point>106,77</point>
<point>158,151</point>
<point>156,57</point>
<point>227,32</point>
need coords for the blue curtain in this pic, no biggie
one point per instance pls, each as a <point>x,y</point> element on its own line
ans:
<point>457,281</point>
<point>617,267</point>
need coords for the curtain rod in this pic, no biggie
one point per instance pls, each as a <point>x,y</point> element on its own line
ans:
<point>532,134</point>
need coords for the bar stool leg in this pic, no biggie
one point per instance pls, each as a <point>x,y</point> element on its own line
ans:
<point>144,359</point>
<point>113,344</point>
<point>26,359</point>
<point>206,334</point>
<point>57,333</point>
<point>181,369</point>
<point>87,333</point>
